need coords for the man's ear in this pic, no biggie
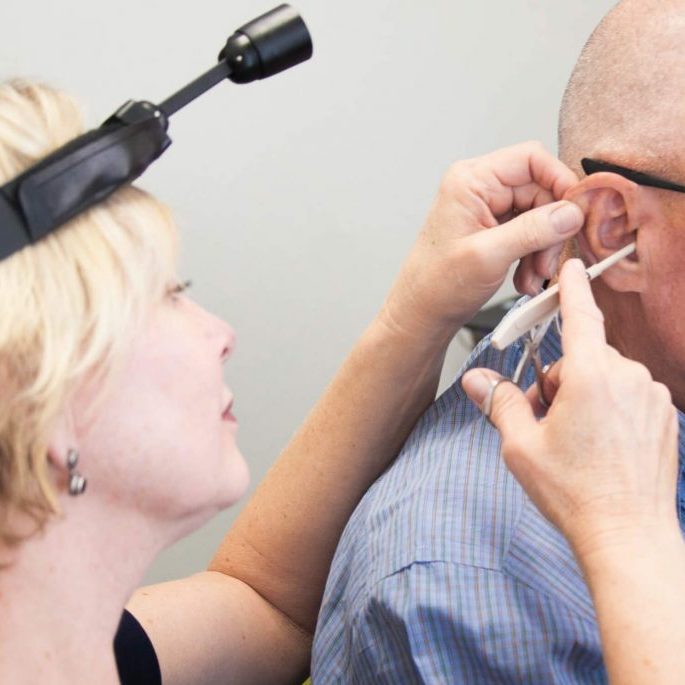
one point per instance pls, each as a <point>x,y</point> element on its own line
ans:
<point>615,211</point>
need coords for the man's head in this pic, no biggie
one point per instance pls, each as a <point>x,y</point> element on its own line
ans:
<point>625,95</point>
<point>625,104</point>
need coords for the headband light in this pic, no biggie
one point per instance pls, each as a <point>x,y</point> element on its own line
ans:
<point>91,167</point>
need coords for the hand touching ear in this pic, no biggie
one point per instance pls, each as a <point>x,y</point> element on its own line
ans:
<point>615,211</point>
<point>490,212</point>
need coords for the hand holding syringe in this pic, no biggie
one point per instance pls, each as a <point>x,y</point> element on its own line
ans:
<point>545,306</point>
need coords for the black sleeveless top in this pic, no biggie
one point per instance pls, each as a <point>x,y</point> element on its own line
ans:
<point>135,655</point>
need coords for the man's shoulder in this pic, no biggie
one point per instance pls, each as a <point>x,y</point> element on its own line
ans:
<point>446,539</point>
<point>450,498</point>
<point>446,622</point>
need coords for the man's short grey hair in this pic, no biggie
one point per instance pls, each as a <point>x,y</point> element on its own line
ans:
<point>626,97</point>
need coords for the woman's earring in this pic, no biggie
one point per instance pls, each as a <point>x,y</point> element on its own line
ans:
<point>77,483</point>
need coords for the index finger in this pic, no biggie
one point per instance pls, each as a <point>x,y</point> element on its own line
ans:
<point>583,330</point>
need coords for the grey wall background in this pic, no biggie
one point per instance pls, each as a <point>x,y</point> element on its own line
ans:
<point>298,197</point>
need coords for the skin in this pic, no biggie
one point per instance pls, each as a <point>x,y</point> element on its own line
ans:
<point>187,465</point>
<point>637,297</point>
<point>602,466</point>
<point>251,616</point>
<point>614,110</point>
<point>160,459</point>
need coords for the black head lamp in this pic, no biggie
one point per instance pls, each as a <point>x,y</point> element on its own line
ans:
<point>91,167</point>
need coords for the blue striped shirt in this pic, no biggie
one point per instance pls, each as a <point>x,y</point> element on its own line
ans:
<point>447,573</point>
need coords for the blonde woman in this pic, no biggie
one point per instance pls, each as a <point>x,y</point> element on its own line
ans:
<point>117,437</point>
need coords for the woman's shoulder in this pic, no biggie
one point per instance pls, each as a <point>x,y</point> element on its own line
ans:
<point>135,654</point>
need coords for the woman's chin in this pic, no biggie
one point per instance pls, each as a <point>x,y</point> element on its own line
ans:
<point>236,480</point>
<point>229,487</point>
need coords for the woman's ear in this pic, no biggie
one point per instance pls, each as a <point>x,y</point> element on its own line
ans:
<point>62,441</point>
<point>615,210</point>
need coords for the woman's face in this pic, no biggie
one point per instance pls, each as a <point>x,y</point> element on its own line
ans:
<point>163,442</point>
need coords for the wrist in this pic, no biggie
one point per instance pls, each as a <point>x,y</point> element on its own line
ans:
<point>420,332</point>
<point>626,539</point>
<point>414,346</point>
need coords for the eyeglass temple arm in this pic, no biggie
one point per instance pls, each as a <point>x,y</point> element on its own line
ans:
<point>593,166</point>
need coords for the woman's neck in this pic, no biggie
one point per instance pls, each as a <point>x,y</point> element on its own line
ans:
<point>62,597</point>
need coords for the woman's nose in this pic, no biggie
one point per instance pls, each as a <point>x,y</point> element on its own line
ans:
<point>228,341</point>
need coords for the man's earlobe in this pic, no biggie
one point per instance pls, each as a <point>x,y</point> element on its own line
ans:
<point>614,211</point>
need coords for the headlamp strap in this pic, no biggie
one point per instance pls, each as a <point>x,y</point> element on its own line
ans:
<point>79,175</point>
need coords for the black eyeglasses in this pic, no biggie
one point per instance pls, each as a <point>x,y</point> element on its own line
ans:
<point>592,166</point>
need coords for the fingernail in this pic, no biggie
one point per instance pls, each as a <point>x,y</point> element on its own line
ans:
<point>552,268</point>
<point>576,264</point>
<point>569,217</point>
<point>477,386</point>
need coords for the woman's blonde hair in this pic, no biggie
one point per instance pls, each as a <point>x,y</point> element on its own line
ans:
<point>69,303</point>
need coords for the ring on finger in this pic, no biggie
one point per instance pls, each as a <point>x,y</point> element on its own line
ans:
<point>487,405</point>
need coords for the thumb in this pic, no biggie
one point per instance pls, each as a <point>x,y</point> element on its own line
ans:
<point>503,402</point>
<point>538,229</point>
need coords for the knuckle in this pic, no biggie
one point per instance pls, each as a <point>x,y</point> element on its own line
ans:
<point>630,376</point>
<point>503,400</point>
<point>533,147</point>
<point>589,310</point>
<point>584,375</point>
<point>511,448</point>
<point>454,177</point>
<point>536,145</point>
<point>662,393</point>
<point>529,232</point>
<point>641,373</point>
<point>475,252</point>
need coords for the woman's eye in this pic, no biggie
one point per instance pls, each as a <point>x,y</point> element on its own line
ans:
<point>179,288</point>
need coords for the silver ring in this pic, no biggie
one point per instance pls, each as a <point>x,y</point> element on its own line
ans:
<point>487,405</point>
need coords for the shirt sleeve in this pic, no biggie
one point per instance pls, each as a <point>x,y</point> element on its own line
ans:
<point>135,655</point>
<point>447,623</point>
